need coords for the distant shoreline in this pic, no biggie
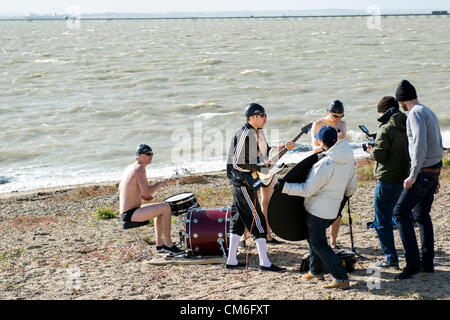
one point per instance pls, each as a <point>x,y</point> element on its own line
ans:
<point>65,18</point>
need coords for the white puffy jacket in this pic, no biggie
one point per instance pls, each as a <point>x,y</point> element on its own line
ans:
<point>328,181</point>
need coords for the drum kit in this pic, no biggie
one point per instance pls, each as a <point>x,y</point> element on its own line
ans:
<point>203,232</point>
<point>206,232</point>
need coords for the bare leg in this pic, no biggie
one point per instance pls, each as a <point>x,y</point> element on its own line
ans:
<point>334,230</point>
<point>266,194</point>
<point>244,235</point>
<point>162,215</point>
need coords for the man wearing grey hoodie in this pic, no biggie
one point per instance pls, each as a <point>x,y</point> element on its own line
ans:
<point>328,181</point>
<point>426,152</point>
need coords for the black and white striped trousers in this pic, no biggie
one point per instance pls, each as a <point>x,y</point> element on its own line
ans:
<point>242,212</point>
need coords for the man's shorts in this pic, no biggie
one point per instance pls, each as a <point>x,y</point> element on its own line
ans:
<point>126,216</point>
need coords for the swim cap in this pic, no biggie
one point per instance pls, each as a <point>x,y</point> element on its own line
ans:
<point>143,148</point>
<point>254,109</point>
<point>336,107</point>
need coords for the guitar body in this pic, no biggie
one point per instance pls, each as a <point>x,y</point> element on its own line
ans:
<point>286,214</point>
<point>256,180</point>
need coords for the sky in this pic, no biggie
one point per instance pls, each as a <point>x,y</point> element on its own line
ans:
<point>162,6</point>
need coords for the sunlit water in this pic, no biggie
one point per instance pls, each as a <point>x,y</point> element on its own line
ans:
<point>75,103</point>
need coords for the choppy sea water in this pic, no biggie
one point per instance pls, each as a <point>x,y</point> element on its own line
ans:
<point>75,103</point>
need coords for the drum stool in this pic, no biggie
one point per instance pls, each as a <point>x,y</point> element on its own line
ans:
<point>135,225</point>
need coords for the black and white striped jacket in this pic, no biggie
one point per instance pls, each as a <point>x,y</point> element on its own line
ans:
<point>244,153</point>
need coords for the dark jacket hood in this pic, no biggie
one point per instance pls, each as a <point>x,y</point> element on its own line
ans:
<point>395,117</point>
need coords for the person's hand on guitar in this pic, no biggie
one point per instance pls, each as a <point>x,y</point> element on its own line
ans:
<point>289,145</point>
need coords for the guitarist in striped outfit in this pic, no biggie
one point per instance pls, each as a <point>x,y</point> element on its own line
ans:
<point>249,148</point>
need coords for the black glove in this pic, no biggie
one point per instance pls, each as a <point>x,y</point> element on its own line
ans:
<point>278,187</point>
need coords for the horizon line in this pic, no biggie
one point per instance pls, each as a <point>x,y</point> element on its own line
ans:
<point>218,12</point>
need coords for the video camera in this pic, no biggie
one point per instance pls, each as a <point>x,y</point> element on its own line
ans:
<point>370,136</point>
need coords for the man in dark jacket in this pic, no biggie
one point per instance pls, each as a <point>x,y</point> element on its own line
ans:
<point>390,151</point>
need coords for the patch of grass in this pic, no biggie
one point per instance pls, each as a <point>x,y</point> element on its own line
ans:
<point>446,163</point>
<point>105,213</point>
<point>152,221</point>
<point>216,197</point>
<point>413,296</point>
<point>365,173</point>
<point>8,254</point>
<point>445,171</point>
<point>345,218</point>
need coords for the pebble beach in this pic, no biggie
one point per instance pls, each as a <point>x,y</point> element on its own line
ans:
<point>52,247</point>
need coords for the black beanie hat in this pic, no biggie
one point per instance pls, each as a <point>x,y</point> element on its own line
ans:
<point>386,103</point>
<point>405,91</point>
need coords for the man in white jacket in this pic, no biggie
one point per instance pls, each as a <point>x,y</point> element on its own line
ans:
<point>329,180</point>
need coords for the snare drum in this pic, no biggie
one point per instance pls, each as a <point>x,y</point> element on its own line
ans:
<point>207,231</point>
<point>181,203</point>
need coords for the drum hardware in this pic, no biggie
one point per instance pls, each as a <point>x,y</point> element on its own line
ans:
<point>220,241</point>
<point>182,238</point>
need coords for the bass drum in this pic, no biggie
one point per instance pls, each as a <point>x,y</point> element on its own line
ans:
<point>286,214</point>
<point>207,232</point>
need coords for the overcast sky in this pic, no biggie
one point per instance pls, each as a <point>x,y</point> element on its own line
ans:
<point>158,6</point>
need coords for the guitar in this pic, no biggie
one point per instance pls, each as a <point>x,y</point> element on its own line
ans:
<point>258,179</point>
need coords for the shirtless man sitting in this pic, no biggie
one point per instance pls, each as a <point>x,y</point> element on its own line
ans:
<point>134,187</point>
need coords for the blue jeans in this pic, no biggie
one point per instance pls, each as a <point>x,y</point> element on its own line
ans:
<point>321,256</point>
<point>384,200</point>
<point>414,205</point>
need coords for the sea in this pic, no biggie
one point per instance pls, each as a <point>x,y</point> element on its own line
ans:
<point>78,97</point>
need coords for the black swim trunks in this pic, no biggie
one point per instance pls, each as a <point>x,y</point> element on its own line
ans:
<point>126,216</point>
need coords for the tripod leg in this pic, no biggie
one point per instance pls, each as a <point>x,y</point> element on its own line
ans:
<point>350,223</point>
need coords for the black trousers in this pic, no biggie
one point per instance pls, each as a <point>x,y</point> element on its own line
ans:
<point>245,205</point>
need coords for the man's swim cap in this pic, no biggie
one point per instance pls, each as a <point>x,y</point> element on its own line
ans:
<point>254,109</point>
<point>143,148</point>
<point>336,107</point>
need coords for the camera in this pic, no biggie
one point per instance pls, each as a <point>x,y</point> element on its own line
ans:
<point>365,145</point>
<point>370,136</point>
